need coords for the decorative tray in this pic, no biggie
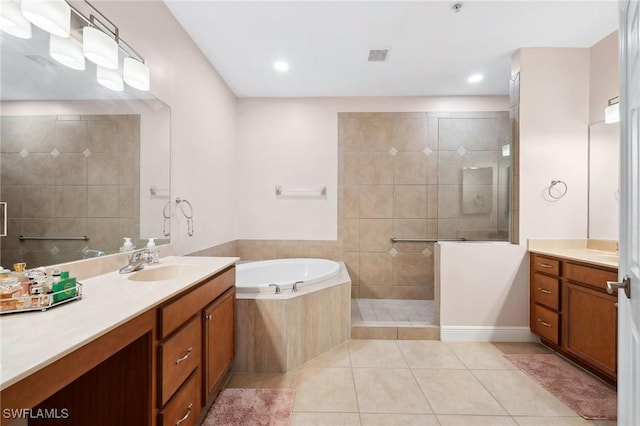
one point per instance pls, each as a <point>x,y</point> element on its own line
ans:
<point>40,302</point>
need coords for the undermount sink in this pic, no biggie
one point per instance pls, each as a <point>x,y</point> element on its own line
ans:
<point>163,273</point>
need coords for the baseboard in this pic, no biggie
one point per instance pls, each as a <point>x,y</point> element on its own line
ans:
<point>461,333</point>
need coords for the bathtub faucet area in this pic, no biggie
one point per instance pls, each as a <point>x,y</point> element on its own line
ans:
<point>277,288</point>
<point>308,313</point>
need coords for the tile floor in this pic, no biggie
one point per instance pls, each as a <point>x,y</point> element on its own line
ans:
<point>392,312</point>
<point>418,382</point>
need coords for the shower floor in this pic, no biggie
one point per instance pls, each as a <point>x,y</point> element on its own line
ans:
<point>393,319</point>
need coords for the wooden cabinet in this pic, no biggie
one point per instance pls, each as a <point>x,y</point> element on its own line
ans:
<point>178,357</point>
<point>195,351</point>
<point>184,408</point>
<point>157,368</point>
<point>573,314</point>
<point>218,319</point>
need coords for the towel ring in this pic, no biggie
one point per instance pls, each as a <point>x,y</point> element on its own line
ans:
<point>167,219</point>
<point>179,202</point>
<point>554,183</point>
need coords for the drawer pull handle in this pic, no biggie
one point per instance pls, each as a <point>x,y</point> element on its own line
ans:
<point>182,358</point>
<point>545,265</point>
<point>546,324</point>
<point>209,317</point>
<point>186,416</point>
<point>545,291</point>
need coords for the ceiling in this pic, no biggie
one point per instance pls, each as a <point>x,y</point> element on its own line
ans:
<point>433,50</point>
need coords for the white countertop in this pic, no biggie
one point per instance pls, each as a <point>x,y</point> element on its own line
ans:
<point>29,341</point>
<point>577,250</point>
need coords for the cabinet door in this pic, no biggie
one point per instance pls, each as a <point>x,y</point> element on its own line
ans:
<point>590,326</point>
<point>219,335</point>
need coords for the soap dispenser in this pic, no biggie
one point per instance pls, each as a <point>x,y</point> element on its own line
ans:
<point>151,249</point>
<point>128,245</point>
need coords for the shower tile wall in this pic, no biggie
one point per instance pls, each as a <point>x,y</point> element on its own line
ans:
<point>69,176</point>
<point>402,176</point>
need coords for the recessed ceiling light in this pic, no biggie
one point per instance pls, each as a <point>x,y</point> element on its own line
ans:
<point>281,66</point>
<point>475,78</point>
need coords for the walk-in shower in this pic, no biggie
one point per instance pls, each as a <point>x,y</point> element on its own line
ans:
<point>409,180</point>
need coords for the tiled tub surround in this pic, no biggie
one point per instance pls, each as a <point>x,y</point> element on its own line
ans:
<point>65,176</point>
<point>278,333</point>
<point>414,175</point>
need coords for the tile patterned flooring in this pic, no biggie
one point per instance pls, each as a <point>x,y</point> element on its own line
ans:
<point>392,312</point>
<point>418,382</point>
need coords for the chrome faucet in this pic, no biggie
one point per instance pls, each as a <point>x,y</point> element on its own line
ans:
<point>137,259</point>
<point>276,286</point>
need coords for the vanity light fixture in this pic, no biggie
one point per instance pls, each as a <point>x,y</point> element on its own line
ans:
<point>612,111</point>
<point>111,79</point>
<point>475,78</point>
<point>281,66</point>
<point>135,73</point>
<point>53,16</point>
<point>67,51</point>
<point>100,48</point>
<point>13,22</point>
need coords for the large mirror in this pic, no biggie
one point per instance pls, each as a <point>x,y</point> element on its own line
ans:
<point>604,161</point>
<point>82,167</point>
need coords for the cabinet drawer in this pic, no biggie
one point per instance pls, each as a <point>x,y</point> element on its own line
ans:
<point>546,323</point>
<point>588,275</point>
<point>184,408</point>
<point>545,265</point>
<point>177,312</point>
<point>591,319</point>
<point>545,291</point>
<point>178,357</point>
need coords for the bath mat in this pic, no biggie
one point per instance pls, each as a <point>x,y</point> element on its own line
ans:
<point>581,392</point>
<point>251,407</point>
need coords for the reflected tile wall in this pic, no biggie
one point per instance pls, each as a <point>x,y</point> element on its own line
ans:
<point>68,176</point>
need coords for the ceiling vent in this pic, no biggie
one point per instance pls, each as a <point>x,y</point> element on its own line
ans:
<point>40,60</point>
<point>378,55</point>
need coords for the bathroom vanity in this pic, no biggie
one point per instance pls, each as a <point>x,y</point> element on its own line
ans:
<point>570,308</point>
<point>152,351</point>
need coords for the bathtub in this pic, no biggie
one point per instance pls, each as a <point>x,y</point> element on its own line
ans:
<point>276,333</point>
<point>255,277</point>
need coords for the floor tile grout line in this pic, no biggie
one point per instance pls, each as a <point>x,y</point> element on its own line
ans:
<point>415,379</point>
<point>353,381</point>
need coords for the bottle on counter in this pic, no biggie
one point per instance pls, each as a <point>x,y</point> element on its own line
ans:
<point>153,251</point>
<point>128,245</point>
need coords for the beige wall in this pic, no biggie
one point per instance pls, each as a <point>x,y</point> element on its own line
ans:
<point>604,79</point>
<point>554,120</point>
<point>203,120</point>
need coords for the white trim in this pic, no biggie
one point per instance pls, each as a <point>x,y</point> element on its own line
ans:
<point>474,333</point>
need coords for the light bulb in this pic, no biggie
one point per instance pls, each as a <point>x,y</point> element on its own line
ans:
<point>99,48</point>
<point>136,74</point>
<point>53,16</point>
<point>12,21</point>
<point>67,51</point>
<point>111,79</point>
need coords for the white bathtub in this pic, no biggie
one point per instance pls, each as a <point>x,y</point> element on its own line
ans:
<point>276,333</point>
<point>255,277</point>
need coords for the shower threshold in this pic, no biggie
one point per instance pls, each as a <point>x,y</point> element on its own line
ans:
<point>393,319</point>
